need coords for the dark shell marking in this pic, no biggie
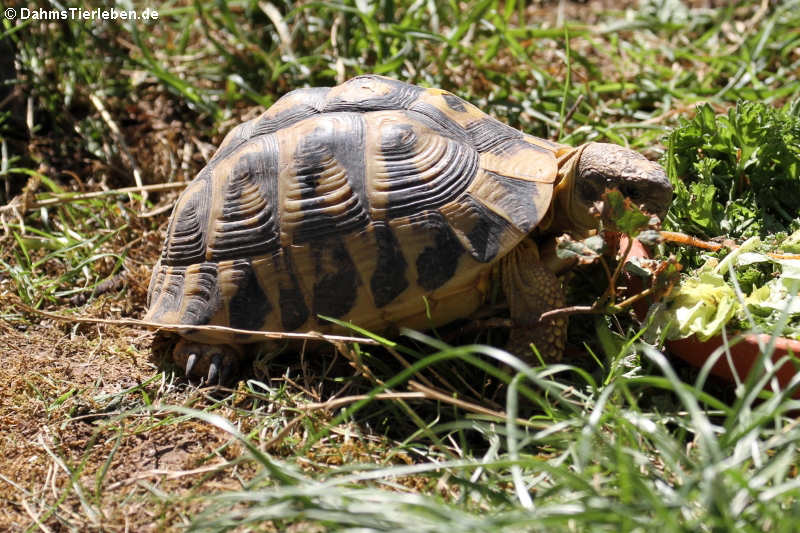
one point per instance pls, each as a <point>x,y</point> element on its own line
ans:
<point>479,228</point>
<point>437,263</point>
<point>422,171</point>
<point>326,196</point>
<point>336,279</point>
<point>249,306</point>
<point>293,309</point>
<point>186,243</point>
<point>389,279</point>
<point>247,224</point>
<point>200,294</point>
<point>454,102</point>
<point>354,202</point>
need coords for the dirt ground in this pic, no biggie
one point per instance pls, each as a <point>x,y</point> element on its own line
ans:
<point>64,388</point>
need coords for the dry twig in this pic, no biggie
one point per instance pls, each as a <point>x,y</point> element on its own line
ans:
<point>182,328</point>
<point>58,199</point>
<point>137,174</point>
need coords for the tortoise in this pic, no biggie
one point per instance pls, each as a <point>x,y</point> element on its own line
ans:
<point>382,204</point>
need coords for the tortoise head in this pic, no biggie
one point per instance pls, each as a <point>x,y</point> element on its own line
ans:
<point>592,168</point>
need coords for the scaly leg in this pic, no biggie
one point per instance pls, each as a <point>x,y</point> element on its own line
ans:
<point>531,289</point>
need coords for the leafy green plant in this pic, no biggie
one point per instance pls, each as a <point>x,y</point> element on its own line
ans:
<point>738,174</point>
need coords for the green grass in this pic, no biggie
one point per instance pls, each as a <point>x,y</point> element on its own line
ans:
<point>628,440</point>
<point>598,457</point>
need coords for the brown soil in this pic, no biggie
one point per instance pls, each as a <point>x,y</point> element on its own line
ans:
<point>60,410</point>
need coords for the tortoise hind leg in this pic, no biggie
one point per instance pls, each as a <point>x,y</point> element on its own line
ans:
<point>217,363</point>
<point>530,290</point>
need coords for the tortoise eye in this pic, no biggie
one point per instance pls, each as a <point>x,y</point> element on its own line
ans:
<point>631,192</point>
<point>588,191</point>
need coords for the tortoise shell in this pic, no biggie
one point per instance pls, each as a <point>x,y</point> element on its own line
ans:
<point>375,202</point>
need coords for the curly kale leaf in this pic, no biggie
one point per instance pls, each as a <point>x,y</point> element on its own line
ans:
<point>737,174</point>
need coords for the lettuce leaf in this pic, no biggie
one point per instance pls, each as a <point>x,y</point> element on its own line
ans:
<point>705,302</point>
<point>701,305</point>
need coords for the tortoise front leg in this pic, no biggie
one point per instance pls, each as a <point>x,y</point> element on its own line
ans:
<point>532,289</point>
<point>217,363</point>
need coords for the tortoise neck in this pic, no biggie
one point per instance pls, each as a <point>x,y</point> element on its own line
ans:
<point>566,216</point>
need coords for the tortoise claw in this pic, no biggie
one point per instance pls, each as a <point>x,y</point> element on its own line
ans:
<point>190,362</point>
<point>213,370</point>
<point>213,364</point>
<point>226,373</point>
